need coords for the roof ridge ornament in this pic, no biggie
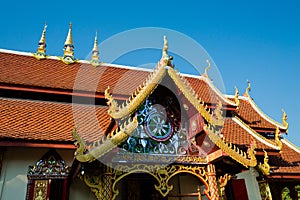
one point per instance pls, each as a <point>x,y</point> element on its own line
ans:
<point>248,89</point>
<point>205,74</point>
<point>68,57</point>
<point>265,167</point>
<point>166,60</point>
<point>277,138</point>
<point>41,50</point>
<point>95,52</point>
<point>284,120</point>
<point>236,98</point>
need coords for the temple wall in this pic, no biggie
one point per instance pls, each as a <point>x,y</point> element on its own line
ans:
<point>13,179</point>
<point>251,183</point>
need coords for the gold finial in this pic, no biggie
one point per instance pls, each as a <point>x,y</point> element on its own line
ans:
<point>41,51</point>
<point>248,89</point>
<point>165,58</point>
<point>277,138</point>
<point>95,52</point>
<point>236,97</point>
<point>251,149</point>
<point>68,57</point>
<point>284,120</point>
<point>206,69</point>
<point>265,167</point>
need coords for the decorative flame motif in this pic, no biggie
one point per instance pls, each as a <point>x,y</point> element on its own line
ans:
<point>137,98</point>
<point>277,138</point>
<point>265,167</point>
<point>248,89</point>
<point>207,68</point>
<point>284,120</point>
<point>236,98</point>
<point>232,150</point>
<point>196,101</point>
<point>105,144</point>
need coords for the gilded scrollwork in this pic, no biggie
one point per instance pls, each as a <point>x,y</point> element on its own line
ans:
<point>105,144</point>
<point>284,120</point>
<point>236,97</point>
<point>137,98</point>
<point>161,174</point>
<point>265,167</point>
<point>277,138</point>
<point>232,150</point>
<point>193,98</point>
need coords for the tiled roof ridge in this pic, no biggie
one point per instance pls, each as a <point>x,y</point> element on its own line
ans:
<point>216,90</point>
<point>291,145</point>
<point>254,133</point>
<point>258,110</point>
<point>263,114</point>
<point>48,102</point>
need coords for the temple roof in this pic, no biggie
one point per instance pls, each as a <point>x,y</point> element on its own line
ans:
<point>32,120</point>
<point>49,121</point>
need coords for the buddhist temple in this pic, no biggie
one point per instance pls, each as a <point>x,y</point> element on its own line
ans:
<point>86,129</point>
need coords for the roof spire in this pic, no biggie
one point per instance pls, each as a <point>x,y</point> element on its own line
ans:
<point>236,97</point>
<point>68,57</point>
<point>95,52</point>
<point>248,89</point>
<point>41,51</point>
<point>165,58</point>
<point>284,120</point>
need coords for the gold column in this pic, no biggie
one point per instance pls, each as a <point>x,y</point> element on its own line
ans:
<point>107,193</point>
<point>212,182</point>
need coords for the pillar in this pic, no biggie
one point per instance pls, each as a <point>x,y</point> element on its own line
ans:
<point>212,182</point>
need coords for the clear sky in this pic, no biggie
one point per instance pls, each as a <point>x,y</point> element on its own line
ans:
<point>247,40</point>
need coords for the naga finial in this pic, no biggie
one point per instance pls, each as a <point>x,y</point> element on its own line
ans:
<point>284,120</point>
<point>251,149</point>
<point>207,68</point>
<point>236,97</point>
<point>265,167</point>
<point>41,51</point>
<point>277,138</point>
<point>248,89</point>
<point>165,58</point>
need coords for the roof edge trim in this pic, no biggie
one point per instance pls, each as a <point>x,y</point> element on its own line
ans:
<point>254,134</point>
<point>264,115</point>
<point>291,145</point>
<point>217,91</point>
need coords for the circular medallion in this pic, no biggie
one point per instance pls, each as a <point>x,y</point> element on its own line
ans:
<point>158,127</point>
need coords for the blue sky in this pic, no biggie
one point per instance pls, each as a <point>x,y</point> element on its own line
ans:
<point>254,40</point>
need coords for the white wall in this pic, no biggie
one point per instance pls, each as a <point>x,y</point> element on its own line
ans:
<point>251,183</point>
<point>13,179</point>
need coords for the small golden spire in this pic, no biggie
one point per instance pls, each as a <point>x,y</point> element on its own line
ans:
<point>68,57</point>
<point>284,120</point>
<point>236,97</point>
<point>205,74</point>
<point>165,58</point>
<point>41,51</point>
<point>95,52</point>
<point>248,89</point>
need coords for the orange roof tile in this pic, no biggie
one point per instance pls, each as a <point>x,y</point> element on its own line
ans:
<point>36,120</point>
<point>235,134</point>
<point>252,118</point>
<point>288,162</point>
<point>52,73</point>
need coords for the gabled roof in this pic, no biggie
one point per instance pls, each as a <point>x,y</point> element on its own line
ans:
<point>31,121</point>
<point>23,69</point>
<point>254,117</point>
